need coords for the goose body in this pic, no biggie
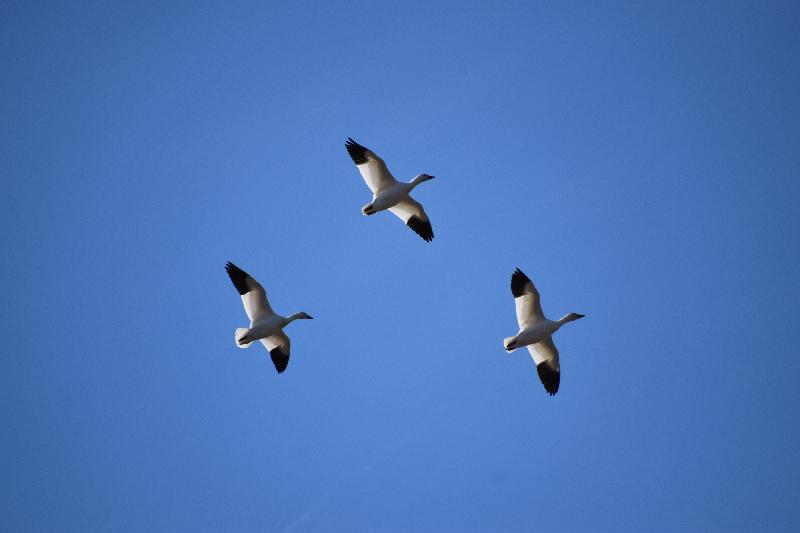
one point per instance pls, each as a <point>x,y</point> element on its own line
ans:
<point>264,328</point>
<point>536,331</point>
<point>265,325</point>
<point>388,193</point>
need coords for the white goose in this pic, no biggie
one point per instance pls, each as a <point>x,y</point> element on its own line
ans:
<point>535,331</point>
<point>388,193</point>
<point>265,325</point>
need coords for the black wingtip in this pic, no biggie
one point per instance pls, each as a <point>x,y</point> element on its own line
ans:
<point>279,358</point>
<point>421,227</point>
<point>549,377</point>
<point>518,282</point>
<point>357,152</point>
<point>238,277</point>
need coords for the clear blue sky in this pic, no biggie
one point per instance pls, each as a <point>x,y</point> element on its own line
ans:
<point>638,160</point>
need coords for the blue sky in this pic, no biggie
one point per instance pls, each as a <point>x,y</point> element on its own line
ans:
<point>639,161</point>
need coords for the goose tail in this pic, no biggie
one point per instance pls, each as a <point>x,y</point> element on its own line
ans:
<point>239,336</point>
<point>509,343</point>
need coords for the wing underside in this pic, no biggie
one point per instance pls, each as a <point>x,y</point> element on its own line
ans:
<point>254,297</point>
<point>372,168</point>
<point>545,355</point>
<point>279,347</point>
<point>526,300</point>
<point>412,213</point>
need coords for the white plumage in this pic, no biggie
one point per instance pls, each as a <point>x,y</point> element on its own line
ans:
<point>265,325</point>
<point>388,193</point>
<point>535,331</point>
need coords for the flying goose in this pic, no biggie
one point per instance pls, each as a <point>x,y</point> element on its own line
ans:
<point>388,193</point>
<point>265,325</point>
<point>535,331</point>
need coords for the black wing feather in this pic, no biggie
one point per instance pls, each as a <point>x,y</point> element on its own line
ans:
<point>421,227</point>
<point>279,358</point>
<point>238,277</point>
<point>357,152</point>
<point>550,377</point>
<point>518,283</point>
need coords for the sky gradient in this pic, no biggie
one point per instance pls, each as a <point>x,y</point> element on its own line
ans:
<point>639,161</point>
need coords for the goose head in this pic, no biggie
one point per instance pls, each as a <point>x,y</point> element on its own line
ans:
<point>300,316</point>
<point>420,178</point>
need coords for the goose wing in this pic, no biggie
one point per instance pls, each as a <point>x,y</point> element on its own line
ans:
<point>372,167</point>
<point>279,347</point>
<point>526,299</point>
<point>411,212</point>
<point>545,355</point>
<point>254,297</point>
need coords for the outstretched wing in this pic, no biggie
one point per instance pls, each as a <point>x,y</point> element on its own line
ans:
<point>372,167</point>
<point>526,300</point>
<point>411,212</point>
<point>279,347</point>
<point>254,297</point>
<point>545,355</point>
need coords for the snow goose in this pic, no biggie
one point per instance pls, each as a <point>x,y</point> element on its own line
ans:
<point>265,325</point>
<point>388,193</point>
<point>535,331</point>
